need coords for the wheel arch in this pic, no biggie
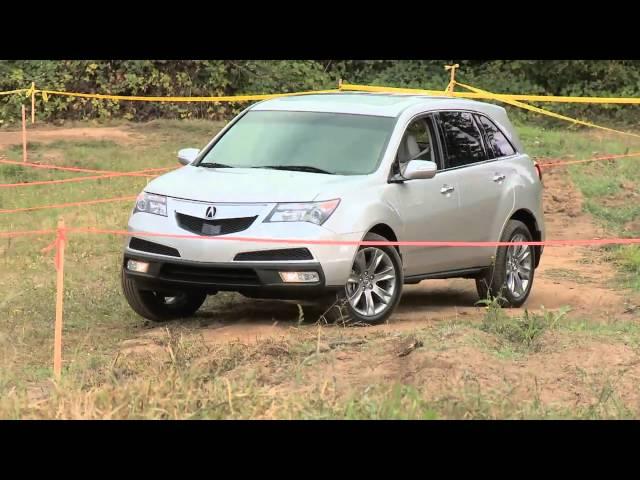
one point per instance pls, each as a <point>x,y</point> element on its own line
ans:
<point>387,232</point>
<point>528,218</point>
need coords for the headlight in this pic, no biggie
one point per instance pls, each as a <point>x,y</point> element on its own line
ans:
<point>150,203</point>
<point>314,212</point>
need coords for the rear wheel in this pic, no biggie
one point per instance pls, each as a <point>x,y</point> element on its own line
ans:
<point>161,307</point>
<point>373,288</point>
<point>511,277</point>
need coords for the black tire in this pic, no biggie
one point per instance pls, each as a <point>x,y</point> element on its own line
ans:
<point>341,310</point>
<point>493,283</point>
<point>155,307</point>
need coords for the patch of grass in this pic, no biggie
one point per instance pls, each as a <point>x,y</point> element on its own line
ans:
<point>606,402</point>
<point>565,142</point>
<point>16,174</point>
<point>623,330</point>
<point>400,402</point>
<point>595,185</point>
<point>615,217</point>
<point>522,332</point>
<point>628,258</point>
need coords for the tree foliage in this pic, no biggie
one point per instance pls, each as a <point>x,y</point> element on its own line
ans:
<point>226,77</point>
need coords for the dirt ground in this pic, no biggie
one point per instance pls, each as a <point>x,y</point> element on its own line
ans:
<point>51,134</point>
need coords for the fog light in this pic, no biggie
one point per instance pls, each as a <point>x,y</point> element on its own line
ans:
<point>300,277</point>
<point>136,266</point>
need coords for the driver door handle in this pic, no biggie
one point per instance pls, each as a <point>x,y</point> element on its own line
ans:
<point>499,177</point>
<point>445,189</point>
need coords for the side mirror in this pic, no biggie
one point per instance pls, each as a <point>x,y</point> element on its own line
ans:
<point>187,155</point>
<point>420,169</point>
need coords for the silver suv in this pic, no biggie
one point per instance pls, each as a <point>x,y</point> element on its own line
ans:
<point>345,167</point>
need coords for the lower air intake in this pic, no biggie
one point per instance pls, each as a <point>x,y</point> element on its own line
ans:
<point>152,247</point>
<point>282,254</point>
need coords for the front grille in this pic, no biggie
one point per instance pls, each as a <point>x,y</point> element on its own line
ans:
<point>282,254</point>
<point>210,275</point>
<point>151,247</point>
<point>223,226</point>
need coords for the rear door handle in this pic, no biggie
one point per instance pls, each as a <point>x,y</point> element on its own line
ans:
<point>445,189</point>
<point>499,177</point>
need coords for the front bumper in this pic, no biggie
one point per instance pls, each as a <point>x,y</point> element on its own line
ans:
<point>335,261</point>
<point>255,279</point>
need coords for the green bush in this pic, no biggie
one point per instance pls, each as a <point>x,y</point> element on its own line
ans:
<point>227,77</point>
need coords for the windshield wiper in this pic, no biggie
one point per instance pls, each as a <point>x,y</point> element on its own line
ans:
<point>295,168</point>
<point>215,165</point>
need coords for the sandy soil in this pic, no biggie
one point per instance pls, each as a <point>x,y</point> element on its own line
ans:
<point>51,134</point>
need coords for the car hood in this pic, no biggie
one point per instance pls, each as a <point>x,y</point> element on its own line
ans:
<point>243,185</point>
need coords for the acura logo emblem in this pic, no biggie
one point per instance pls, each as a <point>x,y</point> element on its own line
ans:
<point>211,211</point>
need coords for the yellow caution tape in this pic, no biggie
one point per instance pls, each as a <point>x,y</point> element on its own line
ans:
<point>31,90</point>
<point>561,99</point>
<point>11,92</point>
<point>530,98</point>
<point>229,98</point>
<point>342,86</point>
<point>542,111</point>
<point>476,93</point>
<point>372,88</point>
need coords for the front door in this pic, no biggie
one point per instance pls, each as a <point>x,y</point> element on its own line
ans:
<point>429,208</point>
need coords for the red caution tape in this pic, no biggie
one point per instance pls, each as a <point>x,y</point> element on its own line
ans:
<point>562,163</point>
<point>551,243</point>
<point>25,232</point>
<point>84,170</point>
<point>71,180</point>
<point>548,243</point>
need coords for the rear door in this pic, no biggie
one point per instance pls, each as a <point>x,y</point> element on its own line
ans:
<point>484,198</point>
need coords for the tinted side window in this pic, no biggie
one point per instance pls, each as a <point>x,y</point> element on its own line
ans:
<point>496,139</point>
<point>462,139</point>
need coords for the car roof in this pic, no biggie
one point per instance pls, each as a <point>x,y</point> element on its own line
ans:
<point>360,103</point>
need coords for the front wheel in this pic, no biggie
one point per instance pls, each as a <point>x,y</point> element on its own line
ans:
<point>160,307</point>
<point>374,286</point>
<point>510,278</point>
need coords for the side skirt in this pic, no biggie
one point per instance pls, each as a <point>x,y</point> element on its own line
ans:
<point>463,273</point>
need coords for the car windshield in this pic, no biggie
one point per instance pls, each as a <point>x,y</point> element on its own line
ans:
<point>321,143</point>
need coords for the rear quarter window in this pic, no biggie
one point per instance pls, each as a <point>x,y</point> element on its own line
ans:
<point>498,144</point>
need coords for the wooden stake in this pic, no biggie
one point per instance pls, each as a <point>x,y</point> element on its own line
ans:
<point>452,82</point>
<point>57,339</point>
<point>33,103</point>
<point>24,134</point>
